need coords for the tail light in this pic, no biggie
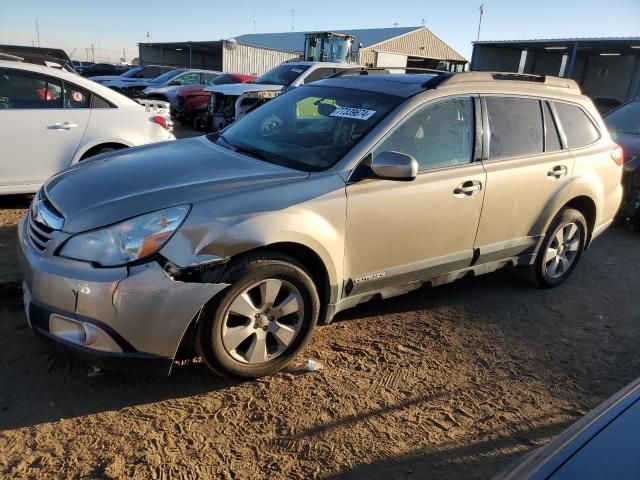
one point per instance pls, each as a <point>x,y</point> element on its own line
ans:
<point>617,155</point>
<point>162,120</point>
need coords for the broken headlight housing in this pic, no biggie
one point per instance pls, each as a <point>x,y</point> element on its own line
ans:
<point>127,241</point>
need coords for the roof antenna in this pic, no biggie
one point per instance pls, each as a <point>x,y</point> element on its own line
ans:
<point>395,24</point>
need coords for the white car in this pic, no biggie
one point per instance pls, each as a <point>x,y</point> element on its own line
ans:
<point>229,103</point>
<point>52,119</point>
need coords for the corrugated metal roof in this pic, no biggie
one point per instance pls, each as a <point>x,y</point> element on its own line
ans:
<point>294,41</point>
<point>420,43</point>
<point>563,40</point>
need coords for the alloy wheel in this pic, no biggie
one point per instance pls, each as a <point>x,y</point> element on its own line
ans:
<point>563,250</point>
<point>262,321</point>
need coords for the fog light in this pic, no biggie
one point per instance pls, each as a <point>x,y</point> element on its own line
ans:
<point>81,333</point>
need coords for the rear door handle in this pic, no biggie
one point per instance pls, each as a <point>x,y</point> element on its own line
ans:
<point>62,126</point>
<point>557,171</point>
<point>468,188</point>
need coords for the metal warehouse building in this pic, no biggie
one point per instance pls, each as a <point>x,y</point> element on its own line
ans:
<point>411,47</point>
<point>221,55</point>
<point>607,69</point>
<point>401,47</point>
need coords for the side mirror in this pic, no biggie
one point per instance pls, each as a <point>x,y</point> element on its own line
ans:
<point>394,166</point>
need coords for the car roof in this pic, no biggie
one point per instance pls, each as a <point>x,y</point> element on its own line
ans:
<point>105,92</point>
<point>402,85</point>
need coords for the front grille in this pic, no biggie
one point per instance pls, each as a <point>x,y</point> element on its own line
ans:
<point>43,221</point>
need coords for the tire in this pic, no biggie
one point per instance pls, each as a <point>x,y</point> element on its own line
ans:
<point>262,321</point>
<point>550,271</point>
<point>99,151</point>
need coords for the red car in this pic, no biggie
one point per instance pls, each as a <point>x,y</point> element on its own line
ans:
<point>192,100</point>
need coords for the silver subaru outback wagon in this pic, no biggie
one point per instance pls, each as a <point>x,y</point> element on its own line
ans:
<point>235,245</point>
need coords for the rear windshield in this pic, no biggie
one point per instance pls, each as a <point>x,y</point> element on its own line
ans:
<point>283,75</point>
<point>309,128</point>
<point>625,119</point>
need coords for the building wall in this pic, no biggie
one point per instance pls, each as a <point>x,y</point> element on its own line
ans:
<point>608,77</point>
<point>252,60</point>
<point>498,59</point>
<point>209,59</point>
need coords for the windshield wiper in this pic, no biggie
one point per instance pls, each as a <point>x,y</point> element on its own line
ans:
<point>246,150</point>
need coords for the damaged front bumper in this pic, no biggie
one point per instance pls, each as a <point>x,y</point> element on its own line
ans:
<point>129,319</point>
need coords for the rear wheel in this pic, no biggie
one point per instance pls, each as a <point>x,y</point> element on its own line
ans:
<point>560,251</point>
<point>262,321</point>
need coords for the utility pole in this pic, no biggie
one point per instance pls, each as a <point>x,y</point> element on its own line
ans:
<point>480,22</point>
<point>396,24</point>
<point>293,20</point>
<point>86,50</point>
<point>93,54</point>
<point>148,38</point>
<point>254,24</point>
<point>38,32</point>
<point>124,56</point>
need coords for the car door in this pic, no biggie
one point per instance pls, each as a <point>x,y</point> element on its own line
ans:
<point>42,126</point>
<point>528,172</point>
<point>398,232</point>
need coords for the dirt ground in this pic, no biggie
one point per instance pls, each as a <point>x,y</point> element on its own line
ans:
<point>444,383</point>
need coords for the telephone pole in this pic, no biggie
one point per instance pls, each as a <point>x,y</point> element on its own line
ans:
<point>480,22</point>
<point>124,56</point>
<point>93,54</point>
<point>38,32</point>
<point>293,20</point>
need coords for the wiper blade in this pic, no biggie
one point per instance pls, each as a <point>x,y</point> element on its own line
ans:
<point>242,149</point>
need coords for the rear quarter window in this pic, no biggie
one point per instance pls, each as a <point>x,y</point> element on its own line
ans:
<point>578,127</point>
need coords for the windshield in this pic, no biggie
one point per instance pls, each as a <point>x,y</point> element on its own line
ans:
<point>283,75</point>
<point>131,72</point>
<point>165,77</point>
<point>309,128</point>
<point>625,119</point>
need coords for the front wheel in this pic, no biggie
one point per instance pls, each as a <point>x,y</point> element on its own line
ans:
<point>262,321</point>
<point>560,251</point>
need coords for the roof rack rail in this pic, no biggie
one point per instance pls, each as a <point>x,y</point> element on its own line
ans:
<point>491,77</point>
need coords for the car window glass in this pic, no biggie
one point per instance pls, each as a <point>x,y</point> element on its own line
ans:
<point>438,135</point>
<point>625,119</point>
<point>98,102</point>
<point>577,127</point>
<point>515,125</point>
<point>319,74</point>
<point>311,115</point>
<point>191,78</point>
<point>22,90</point>
<point>552,137</point>
<point>209,76</point>
<point>75,97</point>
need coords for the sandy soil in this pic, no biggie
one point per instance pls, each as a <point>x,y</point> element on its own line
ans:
<point>445,383</point>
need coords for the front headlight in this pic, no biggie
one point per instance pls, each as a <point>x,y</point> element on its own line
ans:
<point>127,241</point>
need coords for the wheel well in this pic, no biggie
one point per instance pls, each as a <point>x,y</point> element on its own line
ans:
<point>93,150</point>
<point>587,207</point>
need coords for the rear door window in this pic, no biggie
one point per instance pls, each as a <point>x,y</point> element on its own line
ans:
<point>22,90</point>
<point>578,128</point>
<point>516,127</point>
<point>75,97</point>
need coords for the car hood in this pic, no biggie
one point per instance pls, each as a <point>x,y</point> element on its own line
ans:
<point>110,78</point>
<point>123,184</point>
<point>240,88</point>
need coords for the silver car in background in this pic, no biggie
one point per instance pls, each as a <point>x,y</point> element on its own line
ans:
<point>238,243</point>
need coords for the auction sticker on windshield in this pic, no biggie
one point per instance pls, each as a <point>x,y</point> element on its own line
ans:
<point>350,112</point>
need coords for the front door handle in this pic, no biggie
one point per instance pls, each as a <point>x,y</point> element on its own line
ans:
<point>62,126</point>
<point>467,189</point>
<point>557,171</point>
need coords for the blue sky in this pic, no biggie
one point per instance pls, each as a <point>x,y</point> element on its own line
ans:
<point>116,24</point>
